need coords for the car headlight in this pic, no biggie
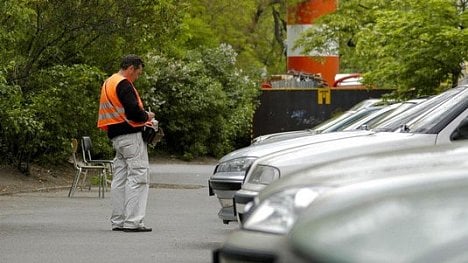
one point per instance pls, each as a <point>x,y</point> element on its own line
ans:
<point>263,174</point>
<point>236,165</point>
<point>277,213</point>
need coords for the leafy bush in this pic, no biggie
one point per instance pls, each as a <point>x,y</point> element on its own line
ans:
<point>204,103</point>
<point>67,103</point>
<point>15,123</point>
<point>62,104</point>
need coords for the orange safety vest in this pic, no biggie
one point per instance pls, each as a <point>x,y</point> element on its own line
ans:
<point>111,111</point>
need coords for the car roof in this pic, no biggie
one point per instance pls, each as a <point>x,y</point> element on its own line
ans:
<point>415,112</point>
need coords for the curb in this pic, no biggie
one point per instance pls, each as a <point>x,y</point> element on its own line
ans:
<point>43,189</point>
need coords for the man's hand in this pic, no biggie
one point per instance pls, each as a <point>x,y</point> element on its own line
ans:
<point>150,115</point>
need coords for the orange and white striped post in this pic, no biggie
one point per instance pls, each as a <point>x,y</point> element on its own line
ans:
<point>300,18</point>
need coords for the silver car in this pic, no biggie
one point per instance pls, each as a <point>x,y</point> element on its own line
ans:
<point>231,169</point>
<point>434,126</point>
<point>264,234</point>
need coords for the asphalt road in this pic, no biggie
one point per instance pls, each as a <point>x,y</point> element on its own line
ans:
<point>50,227</point>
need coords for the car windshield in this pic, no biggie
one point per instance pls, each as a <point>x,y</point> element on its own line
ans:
<point>359,115</point>
<point>372,118</point>
<point>365,104</point>
<point>405,106</point>
<point>369,103</point>
<point>332,121</point>
<point>435,120</point>
<point>395,123</point>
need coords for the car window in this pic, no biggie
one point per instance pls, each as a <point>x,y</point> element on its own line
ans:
<point>435,120</point>
<point>405,106</point>
<point>332,121</point>
<point>364,104</point>
<point>401,119</point>
<point>351,119</point>
<point>372,118</point>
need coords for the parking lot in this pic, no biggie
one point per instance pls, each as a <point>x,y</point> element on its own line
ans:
<point>50,227</point>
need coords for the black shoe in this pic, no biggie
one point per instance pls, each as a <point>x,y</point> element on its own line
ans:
<point>118,229</point>
<point>138,229</point>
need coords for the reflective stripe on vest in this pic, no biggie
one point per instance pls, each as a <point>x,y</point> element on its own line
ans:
<point>111,111</point>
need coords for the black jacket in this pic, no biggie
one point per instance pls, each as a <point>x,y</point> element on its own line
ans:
<point>128,98</point>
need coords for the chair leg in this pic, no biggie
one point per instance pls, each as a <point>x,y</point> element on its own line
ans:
<point>83,180</point>
<point>109,171</point>
<point>101,180</point>
<point>74,183</point>
<point>104,179</point>
<point>104,182</point>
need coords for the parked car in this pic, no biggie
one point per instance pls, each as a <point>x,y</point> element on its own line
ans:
<point>263,237</point>
<point>231,169</point>
<point>434,126</point>
<point>415,219</point>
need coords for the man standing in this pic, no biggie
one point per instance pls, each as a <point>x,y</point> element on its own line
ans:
<point>122,115</point>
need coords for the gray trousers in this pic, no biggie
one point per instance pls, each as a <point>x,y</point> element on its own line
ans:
<point>130,182</point>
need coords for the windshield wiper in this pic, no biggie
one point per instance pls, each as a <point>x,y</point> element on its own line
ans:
<point>404,128</point>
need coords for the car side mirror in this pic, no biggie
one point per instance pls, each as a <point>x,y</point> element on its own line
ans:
<point>461,132</point>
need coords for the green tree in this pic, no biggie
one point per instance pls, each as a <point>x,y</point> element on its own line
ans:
<point>255,29</point>
<point>53,54</point>
<point>13,121</point>
<point>71,32</point>
<point>412,46</point>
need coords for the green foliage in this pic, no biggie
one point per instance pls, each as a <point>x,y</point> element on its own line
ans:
<point>39,126</point>
<point>66,106</point>
<point>203,102</point>
<point>48,94</point>
<point>248,26</point>
<point>12,121</point>
<point>413,46</point>
<point>54,55</point>
<point>69,32</point>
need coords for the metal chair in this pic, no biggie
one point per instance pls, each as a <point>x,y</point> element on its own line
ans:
<point>82,171</point>
<point>86,146</point>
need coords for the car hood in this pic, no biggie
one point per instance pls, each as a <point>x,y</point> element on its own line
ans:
<point>293,160</point>
<point>379,165</point>
<point>268,148</point>
<point>413,219</point>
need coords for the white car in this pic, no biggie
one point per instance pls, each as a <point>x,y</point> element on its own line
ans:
<point>433,127</point>
<point>232,168</point>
